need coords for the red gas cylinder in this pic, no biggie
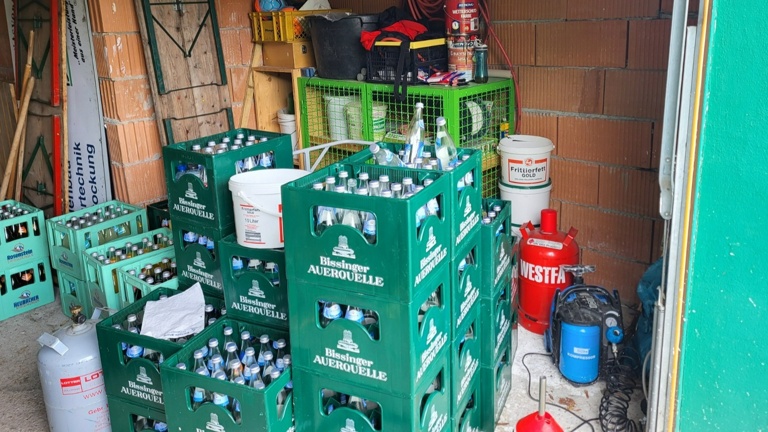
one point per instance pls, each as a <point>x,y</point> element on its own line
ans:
<point>542,252</point>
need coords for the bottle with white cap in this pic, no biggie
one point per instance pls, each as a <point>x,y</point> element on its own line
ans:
<point>445,148</point>
<point>414,139</point>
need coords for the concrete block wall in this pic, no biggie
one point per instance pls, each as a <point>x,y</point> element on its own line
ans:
<point>592,76</point>
<point>131,124</point>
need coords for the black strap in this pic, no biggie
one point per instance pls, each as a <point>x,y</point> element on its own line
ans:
<point>400,90</point>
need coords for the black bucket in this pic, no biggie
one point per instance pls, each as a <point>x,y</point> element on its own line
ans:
<point>338,51</point>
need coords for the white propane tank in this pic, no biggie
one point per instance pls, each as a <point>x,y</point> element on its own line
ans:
<point>72,378</point>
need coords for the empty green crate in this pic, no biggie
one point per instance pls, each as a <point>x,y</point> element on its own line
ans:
<point>496,328</point>
<point>159,215</point>
<point>194,262</point>
<point>67,244</point>
<point>210,204</point>
<point>465,364</point>
<point>74,291</point>
<point>465,289</point>
<point>394,354</point>
<point>464,203</point>
<point>24,287</point>
<point>23,238</point>
<point>137,380</point>
<point>468,418</point>
<point>494,387</point>
<point>496,242</point>
<point>254,294</point>
<point>258,407</point>
<point>132,288</point>
<point>104,282</point>
<point>403,255</point>
<point>417,412</point>
<point>125,416</point>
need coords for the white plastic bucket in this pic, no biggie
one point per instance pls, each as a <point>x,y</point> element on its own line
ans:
<point>526,203</point>
<point>287,124</point>
<point>354,113</point>
<point>379,121</point>
<point>258,208</point>
<point>525,160</point>
<point>337,120</point>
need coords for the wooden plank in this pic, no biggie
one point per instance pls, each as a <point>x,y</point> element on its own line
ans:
<point>272,91</point>
<point>7,120</point>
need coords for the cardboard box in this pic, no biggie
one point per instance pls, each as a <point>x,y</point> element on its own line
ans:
<point>291,55</point>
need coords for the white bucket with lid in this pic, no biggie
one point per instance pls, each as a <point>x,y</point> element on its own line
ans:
<point>258,207</point>
<point>337,118</point>
<point>524,160</point>
<point>526,203</point>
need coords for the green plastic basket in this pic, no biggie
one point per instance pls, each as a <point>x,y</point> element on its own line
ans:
<point>191,201</point>
<point>124,414</point>
<point>396,359</point>
<point>138,380</point>
<point>24,298</point>
<point>194,262</point>
<point>404,255</point>
<point>417,412</point>
<point>133,288</point>
<point>468,418</point>
<point>74,291</point>
<point>258,407</point>
<point>159,215</point>
<point>30,248</point>
<point>67,244</point>
<point>465,292</point>
<point>465,364</point>
<point>496,255</point>
<point>254,295</point>
<point>104,282</point>
<point>497,329</point>
<point>495,384</point>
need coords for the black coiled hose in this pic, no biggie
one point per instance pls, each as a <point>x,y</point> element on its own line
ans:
<point>619,385</point>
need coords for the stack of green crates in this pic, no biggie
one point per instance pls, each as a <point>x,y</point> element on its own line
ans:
<point>498,258</point>
<point>135,387</point>
<point>68,244</point>
<point>25,281</point>
<point>205,209</point>
<point>464,210</point>
<point>103,282</point>
<point>398,358</point>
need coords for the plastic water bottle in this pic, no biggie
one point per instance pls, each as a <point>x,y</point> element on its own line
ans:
<point>382,156</point>
<point>374,188</point>
<point>414,139</point>
<point>331,312</point>
<point>384,182</point>
<point>445,148</point>
<point>362,180</point>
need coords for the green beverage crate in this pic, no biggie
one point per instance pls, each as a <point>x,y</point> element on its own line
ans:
<point>395,266</point>
<point>33,245</point>
<point>465,364</point>
<point>496,330</point>
<point>74,291</point>
<point>211,205</point>
<point>495,384</point>
<point>194,262</point>
<point>464,205</point>
<point>397,362</point>
<point>67,245</point>
<point>104,282</point>
<point>159,215</point>
<point>418,411</point>
<point>133,289</point>
<point>468,417</point>
<point>465,290</point>
<point>24,298</point>
<point>138,380</point>
<point>496,257</point>
<point>254,295</point>
<point>124,414</point>
<point>258,407</point>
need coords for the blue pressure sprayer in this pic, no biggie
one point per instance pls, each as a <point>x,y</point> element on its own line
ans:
<point>585,328</point>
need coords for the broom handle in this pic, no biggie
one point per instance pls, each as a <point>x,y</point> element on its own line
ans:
<point>17,136</point>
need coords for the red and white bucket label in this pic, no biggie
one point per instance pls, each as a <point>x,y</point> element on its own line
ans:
<point>528,171</point>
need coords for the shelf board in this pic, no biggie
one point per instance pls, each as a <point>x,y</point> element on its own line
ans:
<point>274,69</point>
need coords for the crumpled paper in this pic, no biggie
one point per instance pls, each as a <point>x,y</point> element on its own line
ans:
<point>177,316</point>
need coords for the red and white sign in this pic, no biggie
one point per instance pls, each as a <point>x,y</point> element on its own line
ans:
<point>82,384</point>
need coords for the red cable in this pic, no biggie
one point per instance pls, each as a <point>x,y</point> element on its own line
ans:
<point>518,103</point>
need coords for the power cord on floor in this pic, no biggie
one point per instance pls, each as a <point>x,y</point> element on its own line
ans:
<point>584,421</point>
<point>619,385</point>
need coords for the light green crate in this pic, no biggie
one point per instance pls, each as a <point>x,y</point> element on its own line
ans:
<point>67,245</point>
<point>132,288</point>
<point>32,247</point>
<point>24,298</point>
<point>74,291</point>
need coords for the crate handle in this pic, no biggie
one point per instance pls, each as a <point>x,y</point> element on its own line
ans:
<point>244,197</point>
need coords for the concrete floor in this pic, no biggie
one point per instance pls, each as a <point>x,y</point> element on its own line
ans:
<point>22,408</point>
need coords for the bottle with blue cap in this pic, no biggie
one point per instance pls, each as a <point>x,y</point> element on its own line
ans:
<point>249,358</point>
<point>213,350</point>
<point>331,312</point>
<point>279,346</point>
<point>269,365</point>
<point>220,399</point>
<point>199,394</point>
<point>282,396</point>
<point>383,156</point>
<point>354,314</point>
<point>414,138</point>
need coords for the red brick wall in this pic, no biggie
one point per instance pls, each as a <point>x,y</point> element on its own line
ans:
<point>592,78</point>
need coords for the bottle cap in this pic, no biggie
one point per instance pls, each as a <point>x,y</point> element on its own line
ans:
<point>384,178</point>
<point>213,342</point>
<point>259,385</point>
<point>255,369</point>
<point>268,356</point>
<point>440,121</point>
<point>548,221</point>
<point>211,321</point>
<point>374,148</point>
<point>228,331</point>
<point>363,176</point>
<point>250,351</point>
<point>245,335</point>
<point>275,374</point>
<point>317,186</point>
<point>287,360</point>
<point>231,347</point>
<point>340,189</point>
<point>216,359</point>
<point>264,338</point>
<point>386,194</point>
<point>181,366</point>
<point>198,354</point>
<point>330,180</point>
<point>240,380</point>
<point>419,105</point>
<point>361,191</point>
<point>208,308</point>
<point>235,364</point>
<point>203,371</point>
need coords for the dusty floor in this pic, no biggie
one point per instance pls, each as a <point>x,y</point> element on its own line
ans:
<point>22,408</point>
